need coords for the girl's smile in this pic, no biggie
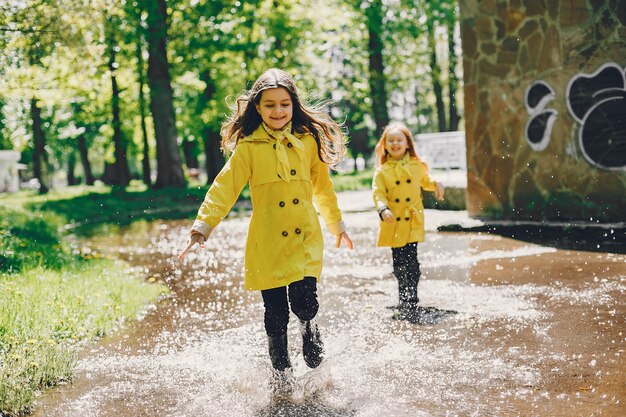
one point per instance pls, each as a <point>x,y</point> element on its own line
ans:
<point>396,144</point>
<point>275,107</point>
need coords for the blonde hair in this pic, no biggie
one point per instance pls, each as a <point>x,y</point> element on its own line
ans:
<point>307,118</point>
<point>381,153</point>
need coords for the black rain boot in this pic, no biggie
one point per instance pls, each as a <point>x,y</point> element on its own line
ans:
<point>409,301</point>
<point>312,346</point>
<point>282,382</point>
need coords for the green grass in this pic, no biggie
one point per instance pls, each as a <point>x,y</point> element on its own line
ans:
<point>46,314</point>
<point>51,299</point>
<point>82,207</point>
<point>359,180</point>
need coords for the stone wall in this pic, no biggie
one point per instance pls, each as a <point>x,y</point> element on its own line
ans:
<point>545,108</point>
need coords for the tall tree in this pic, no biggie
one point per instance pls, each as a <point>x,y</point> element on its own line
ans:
<point>374,18</point>
<point>453,79</point>
<point>120,172</point>
<point>169,168</point>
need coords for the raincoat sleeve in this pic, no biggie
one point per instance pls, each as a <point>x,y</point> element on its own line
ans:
<point>223,192</point>
<point>325,197</point>
<point>428,183</point>
<point>380,190</point>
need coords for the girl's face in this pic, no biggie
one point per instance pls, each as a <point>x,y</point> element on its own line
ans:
<point>275,107</point>
<point>396,144</point>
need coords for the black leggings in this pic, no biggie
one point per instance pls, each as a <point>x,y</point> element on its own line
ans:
<point>303,300</point>
<point>406,268</point>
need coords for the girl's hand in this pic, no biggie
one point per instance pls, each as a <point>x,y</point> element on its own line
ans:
<point>387,216</point>
<point>191,242</point>
<point>439,191</point>
<point>343,237</point>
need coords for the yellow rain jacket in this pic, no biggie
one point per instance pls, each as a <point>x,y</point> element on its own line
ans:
<point>285,241</point>
<point>398,186</point>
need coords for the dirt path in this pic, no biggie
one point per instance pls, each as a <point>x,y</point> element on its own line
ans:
<point>539,331</point>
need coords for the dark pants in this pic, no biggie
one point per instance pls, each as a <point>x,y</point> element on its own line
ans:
<point>406,268</point>
<point>303,300</point>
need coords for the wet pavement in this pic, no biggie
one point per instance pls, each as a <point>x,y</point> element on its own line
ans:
<point>538,331</point>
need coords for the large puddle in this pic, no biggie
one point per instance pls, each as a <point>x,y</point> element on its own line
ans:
<point>539,331</point>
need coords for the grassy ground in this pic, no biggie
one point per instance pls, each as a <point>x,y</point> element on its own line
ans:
<point>52,299</point>
<point>45,314</point>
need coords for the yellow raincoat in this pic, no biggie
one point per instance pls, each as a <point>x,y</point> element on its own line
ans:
<point>398,185</point>
<point>285,241</point>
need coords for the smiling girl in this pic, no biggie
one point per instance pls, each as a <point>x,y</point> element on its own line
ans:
<point>397,184</point>
<point>282,147</point>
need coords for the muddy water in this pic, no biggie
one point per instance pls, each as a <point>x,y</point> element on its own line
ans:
<point>539,331</point>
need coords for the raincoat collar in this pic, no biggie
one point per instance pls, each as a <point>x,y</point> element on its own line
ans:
<point>401,165</point>
<point>266,134</point>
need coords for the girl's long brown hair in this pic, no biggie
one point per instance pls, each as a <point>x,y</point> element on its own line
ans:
<point>245,119</point>
<point>381,153</point>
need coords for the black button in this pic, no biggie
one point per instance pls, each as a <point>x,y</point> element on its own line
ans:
<point>408,199</point>
<point>289,145</point>
<point>407,218</point>
<point>293,172</point>
<point>282,204</point>
<point>397,219</point>
<point>397,200</point>
<point>298,231</point>
<point>408,181</point>
<point>296,201</point>
<point>274,146</point>
<point>397,182</point>
<point>285,233</point>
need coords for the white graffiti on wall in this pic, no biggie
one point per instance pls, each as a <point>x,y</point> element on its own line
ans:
<point>540,120</point>
<point>597,102</point>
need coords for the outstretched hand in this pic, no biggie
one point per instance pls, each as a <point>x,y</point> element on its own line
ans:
<point>439,191</point>
<point>343,237</point>
<point>195,238</point>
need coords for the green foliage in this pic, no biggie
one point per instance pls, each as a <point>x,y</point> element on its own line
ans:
<point>358,180</point>
<point>46,314</point>
<point>28,240</point>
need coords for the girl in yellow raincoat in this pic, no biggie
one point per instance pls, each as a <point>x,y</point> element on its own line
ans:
<point>397,184</point>
<point>282,147</point>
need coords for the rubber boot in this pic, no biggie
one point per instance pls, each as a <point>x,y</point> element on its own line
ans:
<point>282,382</point>
<point>409,301</point>
<point>312,346</point>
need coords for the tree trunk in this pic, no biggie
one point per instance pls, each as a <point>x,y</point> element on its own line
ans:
<point>453,82</point>
<point>191,156</point>
<point>374,15</point>
<point>40,161</point>
<point>169,168</point>
<point>435,73</point>
<point>145,163</point>
<point>71,165</point>
<point>121,173</point>
<point>211,135</point>
<point>84,159</point>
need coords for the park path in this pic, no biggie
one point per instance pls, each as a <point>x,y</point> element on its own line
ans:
<point>539,331</point>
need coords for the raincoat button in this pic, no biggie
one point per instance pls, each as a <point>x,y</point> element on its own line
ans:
<point>397,219</point>
<point>397,200</point>
<point>293,172</point>
<point>285,233</point>
<point>296,201</point>
<point>282,204</point>
<point>408,199</point>
<point>298,231</point>
<point>397,182</point>
<point>274,146</point>
<point>289,145</point>
<point>407,218</point>
<point>408,181</point>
